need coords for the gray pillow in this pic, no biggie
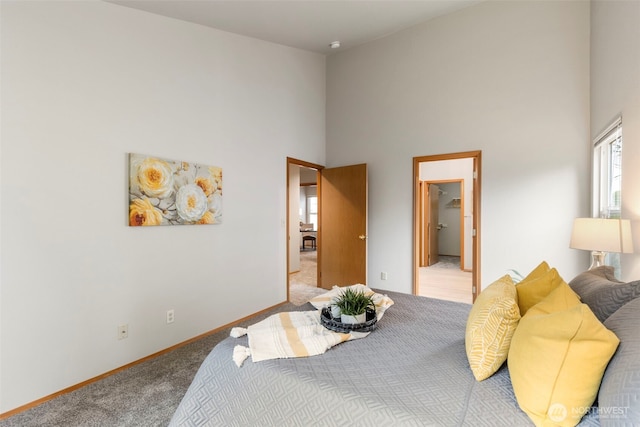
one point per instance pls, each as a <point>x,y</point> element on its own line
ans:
<point>619,395</point>
<point>602,292</point>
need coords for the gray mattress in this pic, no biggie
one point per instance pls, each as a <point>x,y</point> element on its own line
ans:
<point>411,371</point>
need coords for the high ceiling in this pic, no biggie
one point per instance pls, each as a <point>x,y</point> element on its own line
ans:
<point>311,25</point>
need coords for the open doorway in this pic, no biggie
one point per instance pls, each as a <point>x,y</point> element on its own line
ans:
<point>341,228</point>
<point>446,229</point>
<point>303,222</point>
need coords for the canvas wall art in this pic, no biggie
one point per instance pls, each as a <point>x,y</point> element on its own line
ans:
<point>171,192</point>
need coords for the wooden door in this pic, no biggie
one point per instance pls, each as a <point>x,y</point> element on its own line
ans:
<point>342,233</point>
<point>433,197</point>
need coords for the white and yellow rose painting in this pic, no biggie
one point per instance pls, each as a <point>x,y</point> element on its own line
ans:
<point>169,192</point>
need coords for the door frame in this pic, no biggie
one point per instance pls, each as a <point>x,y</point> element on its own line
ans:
<point>422,214</point>
<point>476,197</point>
<point>318,168</point>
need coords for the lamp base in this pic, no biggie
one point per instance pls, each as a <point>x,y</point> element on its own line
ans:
<point>597,259</point>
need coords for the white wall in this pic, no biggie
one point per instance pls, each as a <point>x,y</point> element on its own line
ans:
<point>449,236</point>
<point>308,176</point>
<point>508,78</point>
<point>83,83</point>
<point>294,215</point>
<point>615,91</point>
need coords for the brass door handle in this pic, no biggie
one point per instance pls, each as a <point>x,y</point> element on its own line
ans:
<point>362,237</point>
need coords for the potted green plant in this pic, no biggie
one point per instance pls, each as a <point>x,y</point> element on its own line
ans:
<point>353,306</point>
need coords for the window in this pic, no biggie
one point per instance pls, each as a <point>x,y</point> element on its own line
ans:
<point>607,178</point>
<point>607,172</point>
<point>312,209</point>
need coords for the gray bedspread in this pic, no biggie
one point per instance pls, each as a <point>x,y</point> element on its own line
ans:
<point>411,371</point>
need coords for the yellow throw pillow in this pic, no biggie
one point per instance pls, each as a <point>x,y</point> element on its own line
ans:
<point>559,299</point>
<point>490,326</point>
<point>542,268</point>
<point>557,359</point>
<point>532,291</point>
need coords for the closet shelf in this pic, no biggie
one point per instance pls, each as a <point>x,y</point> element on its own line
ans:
<point>454,203</point>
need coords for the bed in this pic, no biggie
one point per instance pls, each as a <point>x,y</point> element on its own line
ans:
<point>412,370</point>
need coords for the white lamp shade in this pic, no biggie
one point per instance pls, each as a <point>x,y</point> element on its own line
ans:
<point>599,234</point>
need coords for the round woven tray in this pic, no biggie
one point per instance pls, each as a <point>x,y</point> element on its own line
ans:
<point>337,326</point>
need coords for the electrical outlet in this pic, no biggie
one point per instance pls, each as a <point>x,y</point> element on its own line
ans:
<point>170,316</point>
<point>123,332</point>
<point>383,275</point>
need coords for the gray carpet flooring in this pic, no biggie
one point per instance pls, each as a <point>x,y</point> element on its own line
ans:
<point>308,272</point>
<point>303,283</point>
<point>448,261</point>
<point>144,395</point>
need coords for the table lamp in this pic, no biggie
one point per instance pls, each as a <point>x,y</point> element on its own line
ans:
<point>600,235</point>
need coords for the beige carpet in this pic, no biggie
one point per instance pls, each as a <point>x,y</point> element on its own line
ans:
<point>302,284</point>
<point>144,395</point>
<point>301,294</point>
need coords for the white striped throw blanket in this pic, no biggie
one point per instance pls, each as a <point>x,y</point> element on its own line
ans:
<point>299,333</point>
